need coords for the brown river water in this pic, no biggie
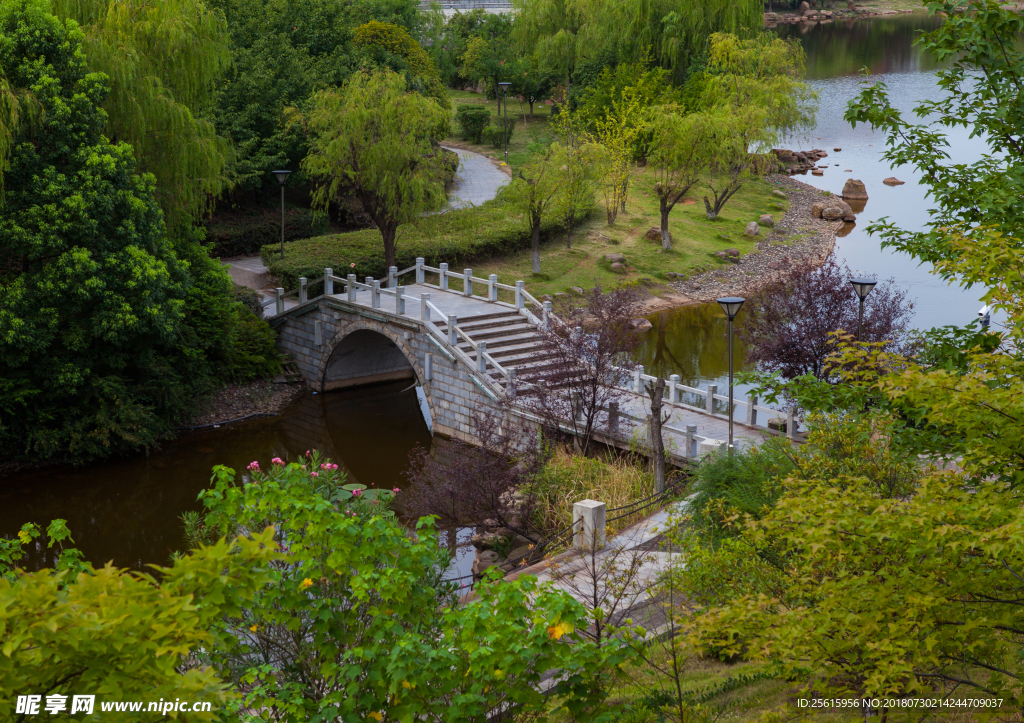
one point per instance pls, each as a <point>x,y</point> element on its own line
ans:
<point>128,511</point>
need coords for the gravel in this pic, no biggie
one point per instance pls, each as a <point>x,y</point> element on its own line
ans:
<point>235,401</point>
<point>796,239</point>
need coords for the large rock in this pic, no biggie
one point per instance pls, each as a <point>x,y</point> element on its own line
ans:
<point>752,229</point>
<point>640,325</point>
<point>485,560</point>
<point>833,213</point>
<point>653,234</point>
<point>854,190</point>
<point>893,181</point>
<point>817,208</point>
<point>577,290</point>
<point>765,220</point>
<point>805,6</point>
<point>780,194</point>
<point>619,268</point>
<point>615,258</point>
<point>520,552</point>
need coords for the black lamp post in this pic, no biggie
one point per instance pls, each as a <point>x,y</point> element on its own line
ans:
<point>862,287</point>
<point>504,102</point>
<point>282,178</point>
<point>731,305</point>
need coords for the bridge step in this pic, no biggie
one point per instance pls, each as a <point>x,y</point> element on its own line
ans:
<point>524,340</point>
<point>469,323</point>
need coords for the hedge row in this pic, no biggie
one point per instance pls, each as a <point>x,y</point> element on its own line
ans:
<point>457,237</point>
<point>235,233</point>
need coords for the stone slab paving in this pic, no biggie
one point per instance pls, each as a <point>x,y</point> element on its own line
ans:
<point>477,180</point>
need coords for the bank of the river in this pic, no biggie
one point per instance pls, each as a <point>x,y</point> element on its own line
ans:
<point>239,401</point>
<point>797,239</point>
<point>842,11</point>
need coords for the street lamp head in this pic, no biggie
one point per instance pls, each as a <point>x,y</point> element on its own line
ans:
<point>863,287</point>
<point>731,306</point>
<point>282,176</point>
<point>504,87</point>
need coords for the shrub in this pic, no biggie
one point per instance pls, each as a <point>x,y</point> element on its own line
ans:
<point>245,231</point>
<point>253,353</point>
<point>249,298</point>
<point>493,134</point>
<point>473,120</point>
<point>456,237</point>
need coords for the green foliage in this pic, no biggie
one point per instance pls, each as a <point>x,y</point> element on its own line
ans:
<point>396,41</point>
<point>497,135</point>
<point>244,231</point>
<point>374,139</point>
<point>122,635</point>
<point>253,353</point>
<point>536,192</point>
<point>456,237</point>
<point>473,120</point>
<point>354,621</point>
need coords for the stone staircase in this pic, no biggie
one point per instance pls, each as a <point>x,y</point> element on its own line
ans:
<point>512,341</point>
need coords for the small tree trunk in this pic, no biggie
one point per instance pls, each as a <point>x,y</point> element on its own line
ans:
<point>712,212</point>
<point>531,109</point>
<point>657,443</point>
<point>666,237</point>
<point>625,194</point>
<point>535,256</point>
<point>388,232</point>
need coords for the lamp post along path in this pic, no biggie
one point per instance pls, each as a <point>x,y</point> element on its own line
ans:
<point>282,178</point>
<point>504,127</point>
<point>731,305</point>
<point>862,287</point>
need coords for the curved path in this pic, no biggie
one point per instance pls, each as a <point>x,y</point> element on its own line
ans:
<point>477,180</point>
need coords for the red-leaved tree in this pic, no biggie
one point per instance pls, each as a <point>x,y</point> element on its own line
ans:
<point>788,325</point>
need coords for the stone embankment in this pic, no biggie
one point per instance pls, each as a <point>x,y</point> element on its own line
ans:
<point>807,15</point>
<point>802,236</point>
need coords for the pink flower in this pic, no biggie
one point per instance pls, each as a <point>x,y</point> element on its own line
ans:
<point>351,266</point>
<point>314,474</point>
<point>255,466</point>
<point>307,452</point>
<point>356,493</point>
<point>396,490</point>
<point>277,460</point>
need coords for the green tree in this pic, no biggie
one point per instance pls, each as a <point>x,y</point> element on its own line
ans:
<point>680,152</point>
<point>387,43</point>
<point>554,32</point>
<point>490,56</point>
<point>534,192</point>
<point>373,138</point>
<point>356,621</point>
<point>122,635</point>
<point>733,134</point>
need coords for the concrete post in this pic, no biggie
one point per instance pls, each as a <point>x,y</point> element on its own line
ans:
<point>791,422</point>
<point>328,282</point>
<point>399,300</point>
<point>420,273</point>
<point>712,391</point>
<point>481,360</point>
<point>751,409</point>
<point>492,287</point>
<point>544,315</point>
<point>352,287</point>
<point>638,381</point>
<point>375,291</point>
<point>279,294</point>
<point>510,390</point>
<point>443,281</point>
<point>588,519</point>
<point>673,389</point>
<point>302,290</point>
<point>428,366</point>
<point>392,277</point>
<point>577,405</point>
<point>424,309</point>
<point>467,282</point>
<point>519,294</point>
<point>613,418</point>
<point>453,338</point>
<point>691,430</point>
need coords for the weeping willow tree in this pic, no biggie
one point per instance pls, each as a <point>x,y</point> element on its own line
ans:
<point>18,107</point>
<point>163,59</point>
<point>558,33</point>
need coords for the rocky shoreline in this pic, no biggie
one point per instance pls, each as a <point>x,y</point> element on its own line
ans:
<point>236,401</point>
<point>796,239</point>
<point>806,15</point>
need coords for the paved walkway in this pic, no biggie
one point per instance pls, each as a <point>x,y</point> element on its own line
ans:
<point>478,180</point>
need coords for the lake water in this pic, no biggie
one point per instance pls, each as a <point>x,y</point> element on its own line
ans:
<point>128,511</point>
<point>691,342</point>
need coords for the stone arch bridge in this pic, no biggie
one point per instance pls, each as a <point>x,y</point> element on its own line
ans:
<point>468,342</point>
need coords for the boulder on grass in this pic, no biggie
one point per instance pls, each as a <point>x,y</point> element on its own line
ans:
<point>577,290</point>
<point>752,229</point>
<point>766,220</point>
<point>615,258</point>
<point>619,268</point>
<point>653,234</point>
<point>854,190</point>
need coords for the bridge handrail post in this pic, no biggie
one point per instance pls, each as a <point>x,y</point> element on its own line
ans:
<point>399,300</point>
<point>638,382</point>
<point>751,409</point>
<point>420,274</point>
<point>351,287</point>
<point>328,282</point>
<point>691,429</point>
<point>392,277</point>
<point>481,361</point>
<point>613,418</point>
<point>712,391</point>
<point>453,334</point>
<point>279,298</point>
<point>302,290</point>
<point>510,388</point>
<point>443,280</point>
<point>492,287</point>
<point>673,388</point>
<point>545,314</point>
<point>519,294</point>
<point>425,306</point>
<point>791,422</point>
<point>467,282</point>
<point>375,294</point>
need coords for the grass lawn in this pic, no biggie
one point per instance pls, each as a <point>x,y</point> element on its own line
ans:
<point>695,240</point>
<point>527,131</point>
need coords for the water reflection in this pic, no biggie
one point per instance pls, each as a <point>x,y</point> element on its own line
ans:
<point>880,44</point>
<point>129,510</point>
